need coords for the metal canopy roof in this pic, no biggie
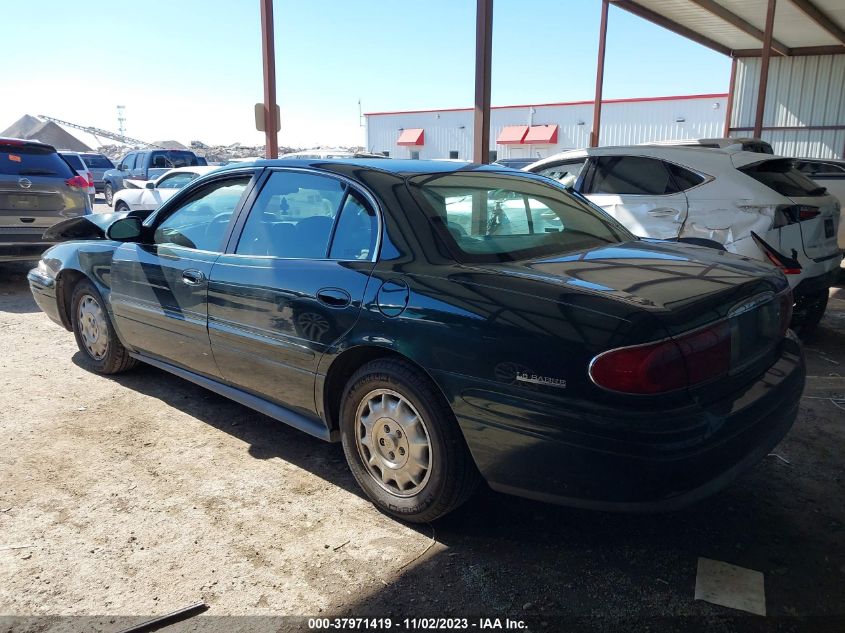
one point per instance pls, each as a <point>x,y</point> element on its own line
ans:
<point>736,27</point>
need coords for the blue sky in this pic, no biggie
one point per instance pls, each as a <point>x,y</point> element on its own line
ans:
<point>191,69</point>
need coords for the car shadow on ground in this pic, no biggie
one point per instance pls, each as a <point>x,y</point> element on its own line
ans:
<point>267,438</point>
<point>14,288</point>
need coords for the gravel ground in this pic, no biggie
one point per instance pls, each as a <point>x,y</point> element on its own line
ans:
<point>143,493</point>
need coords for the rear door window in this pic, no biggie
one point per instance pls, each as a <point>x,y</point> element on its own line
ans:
<point>74,161</point>
<point>782,176</point>
<point>684,178</point>
<point>566,173</point>
<point>29,160</point>
<point>293,217</point>
<point>630,175</point>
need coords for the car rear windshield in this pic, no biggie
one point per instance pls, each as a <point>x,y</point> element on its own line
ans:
<point>171,159</point>
<point>97,161</point>
<point>74,161</point>
<point>487,217</point>
<point>782,176</point>
<point>32,160</point>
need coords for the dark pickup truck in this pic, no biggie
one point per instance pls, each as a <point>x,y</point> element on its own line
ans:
<point>146,165</point>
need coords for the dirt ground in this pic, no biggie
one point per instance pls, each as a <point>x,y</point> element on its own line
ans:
<point>141,494</point>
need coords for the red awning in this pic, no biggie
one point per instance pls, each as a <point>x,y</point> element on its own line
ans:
<point>412,136</point>
<point>542,134</point>
<point>512,134</point>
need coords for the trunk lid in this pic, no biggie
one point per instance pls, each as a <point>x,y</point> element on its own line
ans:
<point>37,201</point>
<point>684,286</point>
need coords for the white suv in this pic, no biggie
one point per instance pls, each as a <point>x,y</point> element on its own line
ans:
<point>751,204</point>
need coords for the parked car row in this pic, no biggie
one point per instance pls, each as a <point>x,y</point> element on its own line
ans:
<point>146,165</point>
<point>38,188</point>
<point>751,204</point>
<point>449,323</point>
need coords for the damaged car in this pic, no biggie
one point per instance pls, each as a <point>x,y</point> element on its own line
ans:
<point>748,203</point>
<point>448,324</point>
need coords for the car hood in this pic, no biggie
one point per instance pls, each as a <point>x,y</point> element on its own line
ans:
<point>88,227</point>
<point>683,285</point>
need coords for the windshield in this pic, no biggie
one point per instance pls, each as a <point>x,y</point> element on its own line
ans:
<point>97,161</point>
<point>495,217</point>
<point>173,158</point>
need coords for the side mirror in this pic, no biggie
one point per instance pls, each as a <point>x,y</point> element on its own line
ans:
<point>121,167</point>
<point>124,230</point>
<point>150,185</point>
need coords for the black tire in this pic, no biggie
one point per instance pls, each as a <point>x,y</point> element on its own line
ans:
<point>809,310</point>
<point>114,358</point>
<point>451,474</point>
<point>108,192</point>
<point>121,206</point>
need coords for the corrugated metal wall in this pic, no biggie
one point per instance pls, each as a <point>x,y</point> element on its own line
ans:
<point>801,91</point>
<point>622,123</point>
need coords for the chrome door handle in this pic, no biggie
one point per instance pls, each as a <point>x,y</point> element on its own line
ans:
<point>193,277</point>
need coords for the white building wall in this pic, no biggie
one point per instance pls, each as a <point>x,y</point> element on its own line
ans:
<point>623,122</point>
<point>801,91</point>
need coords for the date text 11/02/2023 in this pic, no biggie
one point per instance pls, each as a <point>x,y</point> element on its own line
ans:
<point>415,624</point>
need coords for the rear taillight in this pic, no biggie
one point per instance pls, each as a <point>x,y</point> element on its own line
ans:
<point>698,356</point>
<point>90,179</point>
<point>791,213</point>
<point>784,268</point>
<point>79,182</point>
<point>666,365</point>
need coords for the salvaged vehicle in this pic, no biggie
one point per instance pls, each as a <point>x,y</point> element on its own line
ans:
<point>146,165</point>
<point>749,203</point>
<point>539,346</point>
<point>148,195</point>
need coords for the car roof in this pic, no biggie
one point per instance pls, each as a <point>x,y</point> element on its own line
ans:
<point>400,167</point>
<point>23,141</point>
<point>196,169</point>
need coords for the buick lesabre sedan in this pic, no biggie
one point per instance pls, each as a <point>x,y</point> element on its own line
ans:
<point>443,333</point>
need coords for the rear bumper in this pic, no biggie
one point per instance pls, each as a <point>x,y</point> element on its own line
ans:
<point>819,283</point>
<point>706,447</point>
<point>23,250</point>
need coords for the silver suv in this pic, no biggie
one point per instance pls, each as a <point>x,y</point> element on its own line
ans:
<point>37,189</point>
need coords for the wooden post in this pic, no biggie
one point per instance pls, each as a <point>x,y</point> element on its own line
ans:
<point>268,54</point>
<point>483,54</point>
<point>730,106</point>
<point>594,135</point>
<point>764,68</point>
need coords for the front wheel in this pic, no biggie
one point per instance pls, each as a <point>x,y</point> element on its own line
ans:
<point>95,335</point>
<point>403,444</point>
<point>121,207</point>
<point>109,193</point>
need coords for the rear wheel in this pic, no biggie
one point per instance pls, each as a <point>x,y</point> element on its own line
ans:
<point>109,193</point>
<point>809,310</point>
<point>95,335</point>
<point>403,444</point>
<point>121,206</point>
